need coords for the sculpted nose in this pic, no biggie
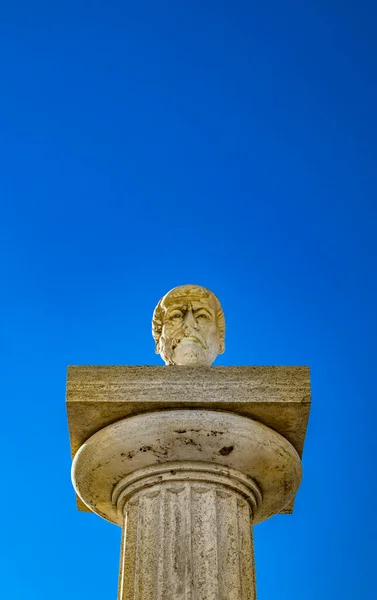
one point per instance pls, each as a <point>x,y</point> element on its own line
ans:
<point>189,320</point>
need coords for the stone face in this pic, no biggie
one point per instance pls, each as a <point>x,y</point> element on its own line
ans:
<point>188,326</point>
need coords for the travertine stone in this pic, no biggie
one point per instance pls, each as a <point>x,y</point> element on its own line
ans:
<point>187,458</point>
<point>276,396</point>
<point>188,326</point>
<point>187,540</point>
<point>279,397</point>
<point>170,440</point>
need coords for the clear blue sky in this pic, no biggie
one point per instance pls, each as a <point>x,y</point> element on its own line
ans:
<point>149,144</point>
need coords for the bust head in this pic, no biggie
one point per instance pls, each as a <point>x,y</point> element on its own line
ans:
<point>188,326</point>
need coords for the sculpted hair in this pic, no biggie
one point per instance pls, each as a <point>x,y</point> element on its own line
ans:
<point>179,292</point>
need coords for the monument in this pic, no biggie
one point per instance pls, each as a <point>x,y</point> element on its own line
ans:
<point>187,457</point>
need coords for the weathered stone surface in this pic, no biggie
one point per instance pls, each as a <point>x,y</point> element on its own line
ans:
<point>188,326</point>
<point>187,458</point>
<point>170,440</point>
<point>185,540</point>
<point>276,396</point>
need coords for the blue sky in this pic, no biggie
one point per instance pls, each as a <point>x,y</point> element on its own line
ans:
<point>149,144</point>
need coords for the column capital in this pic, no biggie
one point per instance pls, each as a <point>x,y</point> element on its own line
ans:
<point>244,452</point>
<point>174,475</point>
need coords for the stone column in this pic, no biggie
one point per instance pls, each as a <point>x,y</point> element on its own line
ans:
<point>187,533</point>
<point>186,487</point>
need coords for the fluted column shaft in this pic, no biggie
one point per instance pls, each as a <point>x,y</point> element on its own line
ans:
<point>187,539</point>
<point>186,485</point>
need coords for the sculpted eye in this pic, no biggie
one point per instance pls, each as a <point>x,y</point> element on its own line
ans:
<point>202,316</point>
<point>175,315</point>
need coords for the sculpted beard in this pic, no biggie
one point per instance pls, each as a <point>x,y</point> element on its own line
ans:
<point>170,342</point>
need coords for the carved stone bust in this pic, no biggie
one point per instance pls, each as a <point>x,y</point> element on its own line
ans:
<point>188,326</point>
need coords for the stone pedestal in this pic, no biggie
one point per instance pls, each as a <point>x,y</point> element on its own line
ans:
<point>187,483</point>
